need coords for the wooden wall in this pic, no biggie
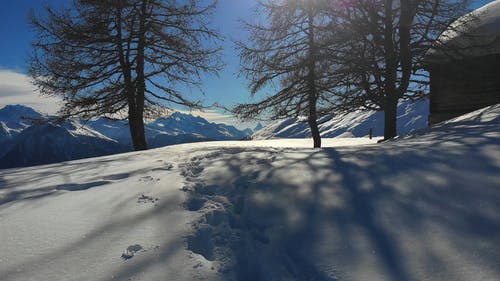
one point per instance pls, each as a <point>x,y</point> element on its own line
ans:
<point>463,86</point>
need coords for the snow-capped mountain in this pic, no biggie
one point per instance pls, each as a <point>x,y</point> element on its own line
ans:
<point>114,129</point>
<point>26,140</point>
<point>15,118</point>
<point>17,113</point>
<point>182,124</point>
<point>411,116</point>
<point>173,129</point>
<point>249,132</point>
<point>50,143</point>
<point>5,132</point>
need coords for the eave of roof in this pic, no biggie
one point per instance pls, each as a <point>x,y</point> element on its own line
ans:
<point>473,35</point>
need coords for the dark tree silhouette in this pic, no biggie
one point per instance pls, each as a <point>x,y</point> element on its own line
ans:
<point>379,45</point>
<point>286,57</point>
<point>106,57</point>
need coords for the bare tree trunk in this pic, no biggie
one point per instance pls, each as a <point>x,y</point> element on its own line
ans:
<point>390,91</point>
<point>135,112</point>
<point>136,124</point>
<point>136,116</point>
<point>313,124</point>
<point>393,92</point>
<point>313,116</point>
<point>390,117</point>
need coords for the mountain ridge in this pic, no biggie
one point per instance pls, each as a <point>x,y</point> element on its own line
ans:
<point>25,141</point>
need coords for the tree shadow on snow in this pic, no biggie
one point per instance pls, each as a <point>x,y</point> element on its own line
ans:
<point>399,211</point>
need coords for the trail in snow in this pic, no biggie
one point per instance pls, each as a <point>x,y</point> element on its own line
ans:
<point>399,213</point>
<point>425,208</point>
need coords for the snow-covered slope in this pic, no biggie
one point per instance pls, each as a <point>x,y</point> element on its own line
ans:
<point>5,132</point>
<point>425,207</point>
<point>411,116</point>
<point>114,129</point>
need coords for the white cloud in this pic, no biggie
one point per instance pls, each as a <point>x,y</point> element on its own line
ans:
<point>16,88</point>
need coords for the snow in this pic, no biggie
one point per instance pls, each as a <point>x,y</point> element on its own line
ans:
<point>411,116</point>
<point>77,129</point>
<point>474,34</point>
<point>424,207</point>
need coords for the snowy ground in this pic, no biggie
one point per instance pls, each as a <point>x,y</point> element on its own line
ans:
<point>426,207</point>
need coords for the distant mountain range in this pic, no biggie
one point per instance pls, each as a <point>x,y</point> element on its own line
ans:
<point>28,137</point>
<point>174,129</point>
<point>411,116</point>
<point>50,143</point>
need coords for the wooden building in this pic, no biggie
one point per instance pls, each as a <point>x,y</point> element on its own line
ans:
<point>465,70</point>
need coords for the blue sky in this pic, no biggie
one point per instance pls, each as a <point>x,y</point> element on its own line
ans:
<point>16,36</point>
<point>226,89</point>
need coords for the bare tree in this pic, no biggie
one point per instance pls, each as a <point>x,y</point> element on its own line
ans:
<point>286,54</point>
<point>379,45</point>
<point>113,56</point>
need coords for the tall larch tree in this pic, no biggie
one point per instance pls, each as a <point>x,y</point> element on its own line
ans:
<point>109,57</point>
<point>379,46</point>
<point>285,58</point>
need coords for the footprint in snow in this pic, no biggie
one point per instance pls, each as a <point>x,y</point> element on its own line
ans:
<point>148,179</point>
<point>167,167</point>
<point>145,199</point>
<point>131,251</point>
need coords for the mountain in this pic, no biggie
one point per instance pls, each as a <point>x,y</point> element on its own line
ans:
<point>17,113</point>
<point>25,140</point>
<point>114,129</point>
<point>182,124</point>
<point>5,132</point>
<point>258,127</point>
<point>173,129</point>
<point>51,143</point>
<point>411,116</point>
<point>15,118</point>
<point>248,132</point>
